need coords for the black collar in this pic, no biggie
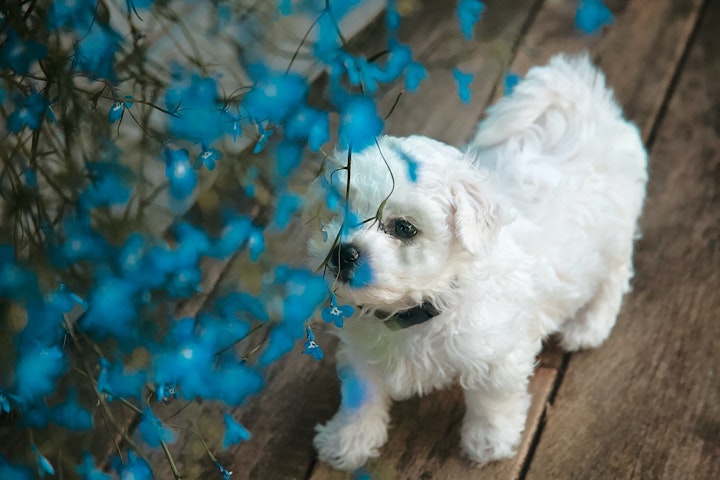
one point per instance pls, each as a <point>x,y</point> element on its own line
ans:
<point>408,318</point>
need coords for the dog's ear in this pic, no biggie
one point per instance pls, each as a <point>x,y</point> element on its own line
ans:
<point>477,216</point>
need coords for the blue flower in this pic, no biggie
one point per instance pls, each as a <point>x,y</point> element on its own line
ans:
<point>5,406</point>
<point>95,52</point>
<point>192,244</point>
<point>152,430</point>
<point>16,282</point>
<point>414,74</point>
<point>336,313</point>
<point>81,242</point>
<point>275,96</point>
<point>18,55</point>
<point>303,292</point>
<point>108,185</point>
<point>44,326</point>
<point>288,156</point>
<point>238,302</point>
<point>360,72</point>
<point>44,465</point>
<point>134,5</point>
<point>463,81</point>
<point>165,391</point>
<point>468,13</point>
<point>224,471</point>
<point>180,173</point>
<point>76,14</point>
<point>185,282</point>
<point>88,471</point>
<point>30,178</point>
<point>184,330</point>
<point>235,233</point>
<point>233,383</point>
<point>112,309</point>
<point>510,82</point>
<point>281,341</point>
<point>198,112</point>
<point>29,112</point>
<point>327,44</point>
<point>236,129</point>
<point>187,365</point>
<point>285,7</point>
<point>65,299</point>
<point>116,112</point>
<point>34,415</point>
<point>592,15</point>
<point>398,61</point>
<point>37,372</point>
<point>114,382</point>
<point>308,125</point>
<point>238,233</point>
<point>131,255</point>
<point>135,469</point>
<point>311,347</point>
<point>392,16</point>
<point>14,472</point>
<point>256,244</point>
<point>71,415</point>
<point>234,432</point>
<point>208,157</point>
<point>359,123</point>
<point>285,207</point>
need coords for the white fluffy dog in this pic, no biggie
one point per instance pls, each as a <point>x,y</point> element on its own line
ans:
<point>467,267</point>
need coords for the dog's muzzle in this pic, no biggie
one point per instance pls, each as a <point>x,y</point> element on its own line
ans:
<point>343,260</point>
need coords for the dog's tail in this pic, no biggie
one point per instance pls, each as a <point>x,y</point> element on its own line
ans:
<point>550,102</point>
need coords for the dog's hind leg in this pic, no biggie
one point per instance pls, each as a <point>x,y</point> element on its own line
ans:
<point>593,323</point>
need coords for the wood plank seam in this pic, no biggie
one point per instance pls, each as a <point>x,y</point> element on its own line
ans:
<point>655,125</point>
<point>541,423</point>
<point>675,77</point>
<point>514,47</point>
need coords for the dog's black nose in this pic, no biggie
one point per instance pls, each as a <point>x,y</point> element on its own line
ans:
<point>344,257</point>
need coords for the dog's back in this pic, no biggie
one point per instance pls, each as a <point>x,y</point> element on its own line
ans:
<point>573,171</point>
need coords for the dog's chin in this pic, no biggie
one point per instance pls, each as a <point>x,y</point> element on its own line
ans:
<point>377,297</point>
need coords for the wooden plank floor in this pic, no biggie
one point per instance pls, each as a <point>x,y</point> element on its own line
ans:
<point>644,405</point>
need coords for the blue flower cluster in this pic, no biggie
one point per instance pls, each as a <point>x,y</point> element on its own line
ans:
<point>592,15</point>
<point>469,13</point>
<point>463,81</point>
<point>89,286</point>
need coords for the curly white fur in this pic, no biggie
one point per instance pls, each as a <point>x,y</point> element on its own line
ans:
<point>526,233</point>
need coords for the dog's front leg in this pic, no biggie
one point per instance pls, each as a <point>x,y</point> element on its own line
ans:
<point>494,420</point>
<point>359,428</point>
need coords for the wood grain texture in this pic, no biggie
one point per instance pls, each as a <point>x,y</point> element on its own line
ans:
<point>638,54</point>
<point>425,439</point>
<point>424,442</point>
<point>435,110</point>
<point>647,403</point>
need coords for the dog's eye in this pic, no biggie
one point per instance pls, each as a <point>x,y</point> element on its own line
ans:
<point>404,230</point>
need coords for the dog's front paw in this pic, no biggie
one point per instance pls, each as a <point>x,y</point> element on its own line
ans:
<point>485,444</point>
<point>347,446</point>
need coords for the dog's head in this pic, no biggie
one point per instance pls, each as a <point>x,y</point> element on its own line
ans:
<point>418,215</point>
